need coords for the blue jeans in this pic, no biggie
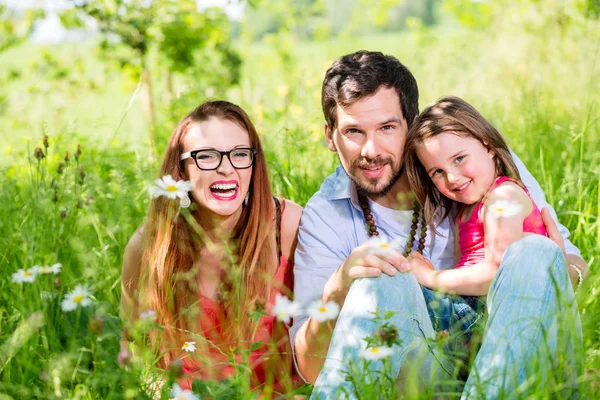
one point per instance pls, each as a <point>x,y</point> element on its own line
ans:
<point>532,335</point>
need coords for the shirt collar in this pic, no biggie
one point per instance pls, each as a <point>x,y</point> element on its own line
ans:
<point>341,187</point>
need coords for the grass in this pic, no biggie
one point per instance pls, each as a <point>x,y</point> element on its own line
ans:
<point>539,87</point>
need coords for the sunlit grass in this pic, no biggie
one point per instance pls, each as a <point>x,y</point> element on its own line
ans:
<point>544,97</point>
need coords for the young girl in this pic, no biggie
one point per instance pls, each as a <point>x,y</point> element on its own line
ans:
<point>459,166</point>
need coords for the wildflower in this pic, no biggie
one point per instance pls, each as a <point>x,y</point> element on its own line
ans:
<point>148,316</point>
<point>323,311</point>
<point>124,357</point>
<point>96,324</point>
<point>80,296</point>
<point>45,142</point>
<point>285,309</point>
<point>82,175</point>
<point>64,213</point>
<point>168,187</point>
<point>175,369</point>
<point>61,168</point>
<point>54,269</point>
<point>22,275</point>
<point>182,394</point>
<point>387,334</point>
<point>67,159</point>
<point>190,347</point>
<point>380,245</point>
<point>78,153</point>
<point>45,295</point>
<point>376,353</point>
<point>504,209</point>
<point>39,153</point>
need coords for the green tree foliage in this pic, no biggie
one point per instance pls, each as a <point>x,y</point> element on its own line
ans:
<point>175,29</point>
<point>15,28</point>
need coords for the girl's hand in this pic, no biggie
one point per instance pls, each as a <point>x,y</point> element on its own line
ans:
<point>422,269</point>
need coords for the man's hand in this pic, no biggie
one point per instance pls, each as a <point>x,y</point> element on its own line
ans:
<point>572,259</point>
<point>366,261</point>
<point>552,229</point>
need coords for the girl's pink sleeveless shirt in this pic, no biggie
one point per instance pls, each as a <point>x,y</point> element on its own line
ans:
<point>471,232</point>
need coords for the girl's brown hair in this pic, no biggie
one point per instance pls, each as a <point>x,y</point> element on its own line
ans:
<point>456,116</point>
<point>170,247</point>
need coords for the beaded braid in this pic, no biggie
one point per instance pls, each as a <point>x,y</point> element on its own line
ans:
<point>417,211</point>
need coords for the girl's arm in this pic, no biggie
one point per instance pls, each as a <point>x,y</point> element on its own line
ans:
<point>502,227</point>
<point>469,281</point>
<point>503,213</point>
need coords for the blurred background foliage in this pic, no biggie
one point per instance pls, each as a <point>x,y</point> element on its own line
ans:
<point>115,76</point>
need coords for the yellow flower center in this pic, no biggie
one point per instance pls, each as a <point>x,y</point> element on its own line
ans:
<point>27,273</point>
<point>322,309</point>
<point>78,299</point>
<point>500,209</point>
<point>384,245</point>
<point>171,188</point>
<point>375,350</point>
<point>45,270</point>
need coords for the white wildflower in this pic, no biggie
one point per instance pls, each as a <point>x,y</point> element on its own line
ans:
<point>323,311</point>
<point>376,353</point>
<point>80,296</point>
<point>45,295</point>
<point>380,245</point>
<point>22,275</point>
<point>182,394</point>
<point>190,347</point>
<point>285,309</point>
<point>148,316</point>
<point>504,208</point>
<point>170,188</point>
<point>54,269</point>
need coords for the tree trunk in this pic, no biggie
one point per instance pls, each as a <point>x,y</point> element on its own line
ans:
<point>169,92</point>
<point>149,107</point>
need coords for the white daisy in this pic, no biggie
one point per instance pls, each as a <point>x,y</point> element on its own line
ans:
<point>380,245</point>
<point>285,309</point>
<point>55,269</point>
<point>22,275</point>
<point>504,208</point>
<point>170,188</point>
<point>45,295</point>
<point>80,296</point>
<point>190,347</point>
<point>323,312</point>
<point>182,394</point>
<point>376,353</point>
<point>148,315</point>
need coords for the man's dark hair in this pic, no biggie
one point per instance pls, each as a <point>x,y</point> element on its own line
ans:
<point>360,74</point>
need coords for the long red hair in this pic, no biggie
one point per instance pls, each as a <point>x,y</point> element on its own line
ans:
<point>170,245</point>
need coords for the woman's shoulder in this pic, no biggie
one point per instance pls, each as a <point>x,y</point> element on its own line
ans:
<point>132,257</point>
<point>290,221</point>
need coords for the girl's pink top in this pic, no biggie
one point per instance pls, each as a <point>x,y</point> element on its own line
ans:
<point>471,232</point>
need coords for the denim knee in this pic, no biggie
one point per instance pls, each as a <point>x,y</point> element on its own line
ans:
<point>384,285</point>
<point>533,251</point>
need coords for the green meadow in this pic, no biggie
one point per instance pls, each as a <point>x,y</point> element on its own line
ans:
<point>536,76</point>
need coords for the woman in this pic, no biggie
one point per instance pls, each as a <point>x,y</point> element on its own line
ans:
<point>208,278</point>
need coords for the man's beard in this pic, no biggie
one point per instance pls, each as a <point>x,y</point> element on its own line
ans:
<point>368,190</point>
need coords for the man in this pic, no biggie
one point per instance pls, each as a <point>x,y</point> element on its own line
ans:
<point>369,101</point>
